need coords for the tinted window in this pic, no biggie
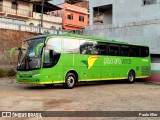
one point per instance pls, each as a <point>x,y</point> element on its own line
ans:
<point>125,50</point>
<point>101,48</point>
<point>144,51</point>
<point>70,45</point>
<point>93,48</point>
<point>114,50</point>
<point>135,51</point>
<point>51,58</point>
<point>88,47</point>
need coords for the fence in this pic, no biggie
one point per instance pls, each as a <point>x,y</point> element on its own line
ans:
<point>28,28</point>
<point>35,29</point>
<point>15,11</point>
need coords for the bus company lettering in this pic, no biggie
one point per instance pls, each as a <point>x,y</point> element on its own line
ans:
<point>117,61</point>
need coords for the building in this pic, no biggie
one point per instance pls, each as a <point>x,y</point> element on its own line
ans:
<point>56,2</point>
<point>132,24</point>
<point>73,17</point>
<point>28,12</point>
<point>133,21</point>
<point>80,3</point>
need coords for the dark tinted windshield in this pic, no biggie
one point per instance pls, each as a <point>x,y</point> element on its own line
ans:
<point>27,59</point>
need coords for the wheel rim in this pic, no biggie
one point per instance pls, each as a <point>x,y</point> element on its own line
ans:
<point>131,77</point>
<point>70,81</point>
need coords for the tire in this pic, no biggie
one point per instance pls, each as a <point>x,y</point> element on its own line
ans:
<point>70,81</point>
<point>131,77</point>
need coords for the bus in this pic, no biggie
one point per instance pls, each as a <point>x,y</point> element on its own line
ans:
<point>68,59</point>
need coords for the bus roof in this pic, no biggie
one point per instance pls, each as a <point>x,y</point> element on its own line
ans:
<point>85,37</point>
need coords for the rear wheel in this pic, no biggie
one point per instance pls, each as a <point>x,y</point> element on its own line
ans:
<point>131,77</point>
<point>70,81</point>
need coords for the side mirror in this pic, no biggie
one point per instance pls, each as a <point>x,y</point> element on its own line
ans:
<point>47,47</point>
<point>37,48</point>
<point>13,50</point>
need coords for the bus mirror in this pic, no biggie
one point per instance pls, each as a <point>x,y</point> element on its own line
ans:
<point>37,48</point>
<point>13,50</point>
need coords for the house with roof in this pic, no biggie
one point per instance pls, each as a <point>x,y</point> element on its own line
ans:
<point>28,12</point>
<point>73,17</point>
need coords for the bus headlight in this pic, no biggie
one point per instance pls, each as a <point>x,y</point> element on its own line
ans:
<point>36,75</point>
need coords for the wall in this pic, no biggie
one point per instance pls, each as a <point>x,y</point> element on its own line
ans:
<point>145,32</point>
<point>24,5</point>
<point>134,10</point>
<point>95,3</point>
<point>21,5</point>
<point>8,40</point>
<point>48,20</point>
<point>137,23</point>
<point>45,24</point>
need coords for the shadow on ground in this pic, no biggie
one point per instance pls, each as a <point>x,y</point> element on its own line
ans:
<point>81,84</point>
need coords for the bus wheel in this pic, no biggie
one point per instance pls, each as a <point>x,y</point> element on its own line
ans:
<point>131,77</point>
<point>70,81</point>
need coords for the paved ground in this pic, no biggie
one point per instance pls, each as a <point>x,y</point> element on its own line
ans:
<point>106,96</point>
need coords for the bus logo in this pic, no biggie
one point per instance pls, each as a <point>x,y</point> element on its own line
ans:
<point>90,62</point>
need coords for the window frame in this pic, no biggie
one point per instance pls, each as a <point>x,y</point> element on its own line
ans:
<point>127,47</point>
<point>144,2</point>
<point>81,18</point>
<point>114,45</point>
<point>69,16</point>
<point>14,5</point>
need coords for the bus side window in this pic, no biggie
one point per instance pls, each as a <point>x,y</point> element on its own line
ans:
<point>88,47</point>
<point>135,52</point>
<point>51,58</point>
<point>101,48</point>
<point>114,50</point>
<point>144,51</point>
<point>48,59</point>
<point>125,50</point>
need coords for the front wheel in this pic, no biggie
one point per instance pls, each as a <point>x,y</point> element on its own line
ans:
<point>131,77</point>
<point>70,81</point>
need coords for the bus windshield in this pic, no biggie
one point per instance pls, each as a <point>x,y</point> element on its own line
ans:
<point>27,59</point>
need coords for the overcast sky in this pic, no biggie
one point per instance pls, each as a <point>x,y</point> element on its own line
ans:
<point>57,1</point>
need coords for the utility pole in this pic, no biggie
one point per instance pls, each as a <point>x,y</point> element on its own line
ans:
<point>42,15</point>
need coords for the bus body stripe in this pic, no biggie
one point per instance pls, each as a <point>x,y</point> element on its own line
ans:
<point>100,79</point>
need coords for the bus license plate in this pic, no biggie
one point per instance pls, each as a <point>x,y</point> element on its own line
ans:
<point>25,81</point>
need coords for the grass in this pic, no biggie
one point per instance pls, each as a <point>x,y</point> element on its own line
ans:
<point>7,72</point>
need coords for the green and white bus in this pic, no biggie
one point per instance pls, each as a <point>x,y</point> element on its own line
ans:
<point>69,59</point>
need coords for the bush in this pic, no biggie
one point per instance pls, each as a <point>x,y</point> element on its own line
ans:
<point>7,72</point>
<point>2,72</point>
<point>11,72</point>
